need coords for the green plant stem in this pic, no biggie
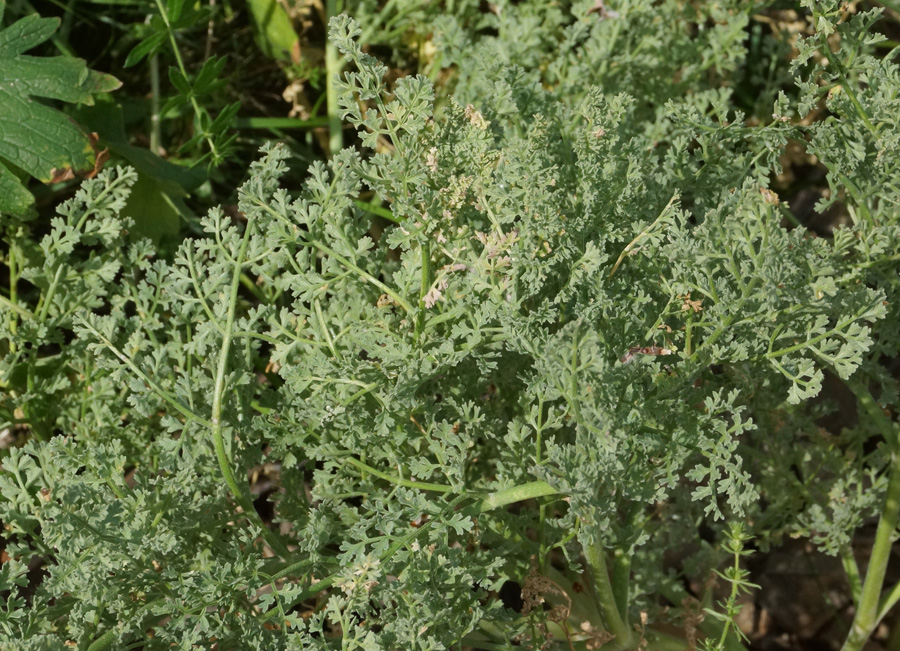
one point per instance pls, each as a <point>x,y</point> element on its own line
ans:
<point>181,408</point>
<point>709,626</point>
<point>644,233</point>
<point>155,132</point>
<point>180,61</point>
<point>402,302</point>
<point>254,289</point>
<point>734,578</point>
<point>332,69</point>
<point>292,569</point>
<point>621,578</point>
<point>542,508</point>
<point>847,88</point>
<point>323,326</point>
<point>13,307</point>
<point>104,641</point>
<point>425,486</point>
<point>598,576</point>
<point>840,327</point>
<point>515,494</point>
<point>375,209</point>
<point>377,26</point>
<point>728,321</point>
<point>239,494</point>
<point>280,123</point>
<point>888,601</point>
<point>851,568</point>
<point>424,288</point>
<point>868,613</point>
<point>582,610</point>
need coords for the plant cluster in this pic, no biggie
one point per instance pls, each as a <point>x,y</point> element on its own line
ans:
<point>575,324</point>
<point>195,126</point>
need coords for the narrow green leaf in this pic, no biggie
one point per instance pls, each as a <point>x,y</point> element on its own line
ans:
<point>148,46</point>
<point>174,7</point>
<point>182,85</point>
<point>275,33</point>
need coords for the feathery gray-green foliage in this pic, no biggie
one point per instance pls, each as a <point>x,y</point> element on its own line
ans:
<point>585,304</point>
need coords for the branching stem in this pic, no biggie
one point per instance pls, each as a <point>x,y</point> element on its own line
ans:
<point>237,491</point>
<point>870,611</point>
<point>606,600</point>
